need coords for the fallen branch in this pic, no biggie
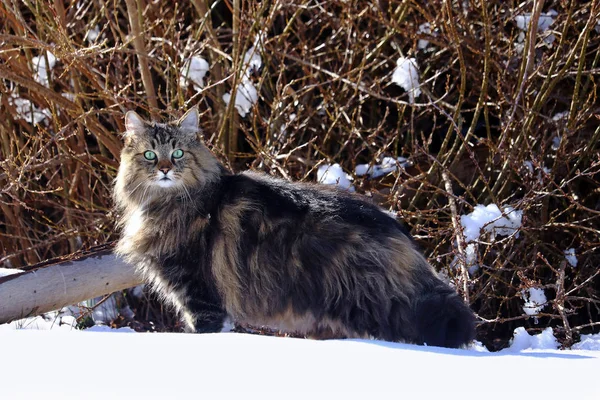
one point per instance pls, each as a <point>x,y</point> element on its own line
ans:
<point>51,286</point>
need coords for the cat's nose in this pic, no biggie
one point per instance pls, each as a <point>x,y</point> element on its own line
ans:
<point>164,166</point>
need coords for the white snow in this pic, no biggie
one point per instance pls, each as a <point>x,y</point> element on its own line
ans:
<point>560,115</point>
<point>101,365</point>
<point>9,271</point>
<point>522,340</point>
<point>406,75</point>
<point>92,34</point>
<point>252,59</point>
<point>535,300</point>
<point>41,69</point>
<point>544,22</point>
<point>556,142</point>
<point>55,320</point>
<point>424,28</point>
<point>491,220</point>
<point>194,69</point>
<point>103,310</point>
<point>571,257</point>
<point>28,111</point>
<point>588,342</point>
<point>334,175</point>
<point>104,328</point>
<point>388,164</point>
<point>471,258</point>
<point>246,94</point>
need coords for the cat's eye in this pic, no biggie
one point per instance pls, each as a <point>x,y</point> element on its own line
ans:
<point>149,155</point>
<point>177,153</point>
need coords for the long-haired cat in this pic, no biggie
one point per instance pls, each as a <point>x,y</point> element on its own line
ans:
<point>254,249</point>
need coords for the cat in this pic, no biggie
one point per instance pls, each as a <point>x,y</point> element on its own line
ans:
<point>253,249</point>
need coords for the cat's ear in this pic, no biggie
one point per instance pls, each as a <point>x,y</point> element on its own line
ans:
<point>134,124</point>
<point>189,122</point>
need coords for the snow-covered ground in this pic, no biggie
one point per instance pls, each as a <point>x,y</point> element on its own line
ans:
<point>67,363</point>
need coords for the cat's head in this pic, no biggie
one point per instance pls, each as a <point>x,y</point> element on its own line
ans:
<point>159,159</point>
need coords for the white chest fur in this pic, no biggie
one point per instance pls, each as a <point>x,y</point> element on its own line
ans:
<point>132,229</point>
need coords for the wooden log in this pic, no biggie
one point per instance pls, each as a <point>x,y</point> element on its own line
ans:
<point>64,282</point>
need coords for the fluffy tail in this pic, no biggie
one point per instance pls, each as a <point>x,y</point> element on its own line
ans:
<point>443,319</point>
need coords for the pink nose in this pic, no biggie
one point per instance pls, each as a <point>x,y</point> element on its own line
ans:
<point>165,170</point>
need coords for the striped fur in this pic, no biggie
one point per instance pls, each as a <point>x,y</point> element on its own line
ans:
<point>298,257</point>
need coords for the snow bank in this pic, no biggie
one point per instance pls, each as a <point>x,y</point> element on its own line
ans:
<point>588,342</point>
<point>388,164</point>
<point>524,341</point>
<point>489,219</point>
<point>334,175</point>
<point>406,75</point>
<point>164,366</point>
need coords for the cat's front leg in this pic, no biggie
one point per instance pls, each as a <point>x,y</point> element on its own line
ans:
<point>201,317</point>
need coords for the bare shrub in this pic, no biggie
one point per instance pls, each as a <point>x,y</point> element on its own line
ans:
<point>506,116</point>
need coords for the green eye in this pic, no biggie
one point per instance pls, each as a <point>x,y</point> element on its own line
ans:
<point>177,153</point>
<point>149,155</point>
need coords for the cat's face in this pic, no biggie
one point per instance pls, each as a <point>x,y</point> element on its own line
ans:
<point>162,158</point>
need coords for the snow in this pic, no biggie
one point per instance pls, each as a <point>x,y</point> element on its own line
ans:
<point>26,110</point>
<point>491,220</point>
<point>556,142</point>
<point>172,365</point>
<point>104,328</point>
<point>535,300</point>
<point>194,69</point>
<point>246,94</point>
<point>388,164</point>
<point>423,28</point>
<point>570,257</point>
<point>41,69</point>
<point>560,115</point>
<point>544,22</point>
<point>103,310</point>
<point>50,321</point>
<point>588,342</point>
<point>406,75</point>
<point>334,175</point>
<point>471,258</point>
<point>9,271</point>
<point>522,340</point>
<point>93,34</point>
